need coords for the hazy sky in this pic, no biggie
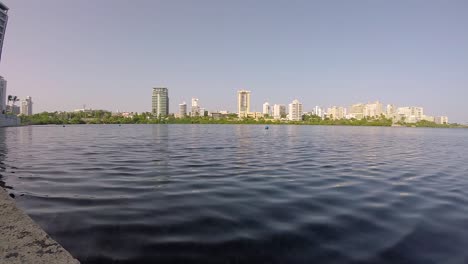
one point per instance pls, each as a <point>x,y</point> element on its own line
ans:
<point>108,54</point>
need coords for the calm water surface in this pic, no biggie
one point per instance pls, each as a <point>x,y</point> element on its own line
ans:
<point>242,194</point>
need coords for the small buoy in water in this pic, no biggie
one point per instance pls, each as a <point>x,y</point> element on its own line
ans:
<point>63,125</point>
<point>266,127</point>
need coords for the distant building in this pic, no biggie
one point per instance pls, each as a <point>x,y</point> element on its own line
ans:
<point>27,106</point>
<point>3,24</point>
<point>357,111</point>
<point>183,109</point>
<point>428,118</point>
<point>3,96</point>
<point>279,111</point>
<point>295,111</point>
<point>256,115</point>
<point>203,111</point>
<point>318,111</point>
<point>84,110</point>
<point>243,103</point>
<point>373,109</point>
<point>160,102</point>
<point>266,109</point>
<point>441,120</point>
<point>410,114</point>
<point>195,111</point>
<point>336,112</point>
<point>391,111</point>
<point>218,116</point>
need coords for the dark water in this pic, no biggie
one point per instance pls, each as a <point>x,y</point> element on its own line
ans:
<point>242,194</point>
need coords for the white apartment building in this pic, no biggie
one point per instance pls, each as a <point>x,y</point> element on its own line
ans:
<point>266,109</point>
<point>391,111</point>
<point>26,106</point>
<point>182,109</point>
<point>295,111</point>
<point>318,111</point>
<point>195,107</point>
<point>336,112</point>
<point>410,114</point>
<point>357,111</point>
<point>373,109</point>
<point>278,111</point>
<point>441,120</point>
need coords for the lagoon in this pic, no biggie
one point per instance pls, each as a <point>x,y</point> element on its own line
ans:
<point>243,194</point>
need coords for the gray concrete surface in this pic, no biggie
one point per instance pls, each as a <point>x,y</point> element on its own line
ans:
<point>23,241</point>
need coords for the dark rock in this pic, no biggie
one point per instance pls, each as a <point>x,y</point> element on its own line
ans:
<point>12,255</point>
<point>12,195</point>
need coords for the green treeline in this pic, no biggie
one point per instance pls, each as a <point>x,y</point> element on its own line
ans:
<point>105,117</point>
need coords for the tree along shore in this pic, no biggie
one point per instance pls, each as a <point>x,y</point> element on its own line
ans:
<point>104,117</point>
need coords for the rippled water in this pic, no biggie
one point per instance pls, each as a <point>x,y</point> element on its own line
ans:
<point>242,194</point>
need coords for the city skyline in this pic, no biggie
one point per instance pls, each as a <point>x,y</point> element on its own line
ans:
<point>295,111</point>
<point>340,54</point>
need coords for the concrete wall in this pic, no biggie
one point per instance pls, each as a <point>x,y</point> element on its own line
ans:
<point>8,120</point>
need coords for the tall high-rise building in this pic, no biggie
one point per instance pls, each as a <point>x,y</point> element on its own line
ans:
<point>279,111</point>
<point>27,106</point>
<point>195,107</point>
<point>295,111</point>
<point>266,109</point>
<point>3,24</point>
<point>160,103</point>
<point>243,103</point>
<point>3,97</point>
<point>183,109</point>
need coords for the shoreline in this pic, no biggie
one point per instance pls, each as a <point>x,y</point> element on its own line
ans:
<point>24,241</point>
<point>258,124</point>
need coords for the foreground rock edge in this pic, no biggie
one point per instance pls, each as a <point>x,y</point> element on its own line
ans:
<point>23,241</point>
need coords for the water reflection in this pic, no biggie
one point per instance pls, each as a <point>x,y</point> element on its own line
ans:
<point>160,154</point>
<point>244,142</point>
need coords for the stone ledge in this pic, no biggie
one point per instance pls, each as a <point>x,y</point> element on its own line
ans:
<point>23,241</point>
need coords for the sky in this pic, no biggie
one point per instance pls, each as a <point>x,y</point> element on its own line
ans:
<point>109,54</point>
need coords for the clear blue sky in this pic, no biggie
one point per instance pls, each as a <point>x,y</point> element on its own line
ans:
<point>109,53</point>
